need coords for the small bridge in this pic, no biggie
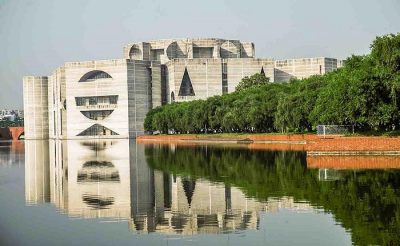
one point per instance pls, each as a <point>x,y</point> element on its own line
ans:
<point>11,133</point>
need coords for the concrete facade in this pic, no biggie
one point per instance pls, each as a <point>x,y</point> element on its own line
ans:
<point>304,67</point>
<point>93,99</point>
<point>214,66</point>
<point>36,113</point>
<point>110,98</point>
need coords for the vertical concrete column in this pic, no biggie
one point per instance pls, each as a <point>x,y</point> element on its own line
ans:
<point>155,92</point>
<point>190,50</point>
<point>217,51</point>
<point>36,113</point>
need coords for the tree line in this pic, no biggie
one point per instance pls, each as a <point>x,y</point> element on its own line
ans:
<point>364,93</point>
<point>8,123</point>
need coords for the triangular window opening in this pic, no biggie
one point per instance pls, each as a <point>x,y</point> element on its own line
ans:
<point>97,130</point>
<point>262,71</point>
<point>186,88</point>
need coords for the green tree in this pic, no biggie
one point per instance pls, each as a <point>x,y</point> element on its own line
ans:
<point>254,80</point>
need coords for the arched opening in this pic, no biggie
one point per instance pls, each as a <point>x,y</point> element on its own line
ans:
<point>171,50</point>
<point>172,97</point>
<point>229,50</point>
<point>97,114</point>
<point>98,171</point>
<point>135,53</point>
<point>96,145</point>
<point>97,202</point>
<point>21,136</point>
<point>95,75</point>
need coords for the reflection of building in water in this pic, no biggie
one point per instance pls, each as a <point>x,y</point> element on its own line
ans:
<point>97,179</point>
<point>58,163</point>
<point>111,179</point>
<point>275,204</point>
<point>37,175</point>
<point>182,205</point>
<point>325,174</point>
<point>188,206</point>
<point>83,179</point>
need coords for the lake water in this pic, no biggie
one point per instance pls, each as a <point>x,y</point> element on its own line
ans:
<point>118,192</point>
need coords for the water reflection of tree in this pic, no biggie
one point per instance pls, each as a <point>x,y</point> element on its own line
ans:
<point>367,202</point>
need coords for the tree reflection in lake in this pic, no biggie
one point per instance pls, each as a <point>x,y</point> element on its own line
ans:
<point>365,202</point>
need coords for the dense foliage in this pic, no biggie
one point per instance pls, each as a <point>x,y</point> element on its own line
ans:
<point>365,202</point>
<point>365,93</point>
<point>257,79</point>
<point>9,123</point>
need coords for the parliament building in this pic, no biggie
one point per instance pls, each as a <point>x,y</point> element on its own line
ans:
<point>110,98</point>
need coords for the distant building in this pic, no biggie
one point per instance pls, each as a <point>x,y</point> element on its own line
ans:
<point>11,114</point>
<point>10,117</point>
<point>110,98</point>
<point>19,113</point>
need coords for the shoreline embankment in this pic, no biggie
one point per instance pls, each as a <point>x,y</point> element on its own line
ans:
<point>312,143</point>
<point>329,152</point>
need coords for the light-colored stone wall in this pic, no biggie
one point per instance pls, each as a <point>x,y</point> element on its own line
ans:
<point>57,103</point>
<point>303,67</point>
<point>240,68</point>
<point>117,121</point>
<point>165,50</point>
<point>36,112</point>
<point>206,75</point>
<point>137,84</point>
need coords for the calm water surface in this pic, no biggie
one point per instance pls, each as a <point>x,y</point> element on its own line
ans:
<point>118,192</point>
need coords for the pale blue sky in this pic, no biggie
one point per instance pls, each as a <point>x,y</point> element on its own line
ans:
<point>37,36</point>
